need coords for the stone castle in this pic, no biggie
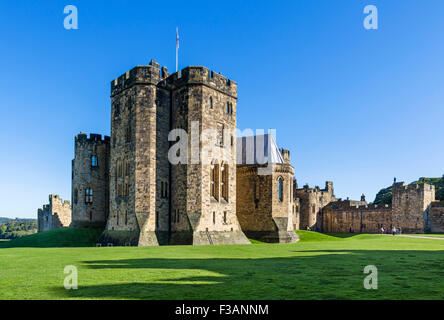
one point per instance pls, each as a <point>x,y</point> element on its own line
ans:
<point>127,184</point>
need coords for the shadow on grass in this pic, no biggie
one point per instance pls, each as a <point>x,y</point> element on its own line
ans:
<point>323,274</point>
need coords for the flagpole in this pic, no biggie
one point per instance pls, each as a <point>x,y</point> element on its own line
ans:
<point>177,48</point>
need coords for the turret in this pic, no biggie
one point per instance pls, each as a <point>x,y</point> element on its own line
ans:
<point>286,155</point>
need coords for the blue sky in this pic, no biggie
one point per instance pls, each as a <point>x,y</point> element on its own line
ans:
<point>354,106</point>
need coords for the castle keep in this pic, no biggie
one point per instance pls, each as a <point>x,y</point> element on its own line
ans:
<point>156,181</point>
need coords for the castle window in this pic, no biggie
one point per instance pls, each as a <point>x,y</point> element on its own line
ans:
<point>128,133</point>
<point>214,217</point>
<point>163,189</point>
<point>210,103</point>
<point>88,195</point>
<point>157,219</point>
<point>229,108</point>
<point>94,161</point>
<point>126,217</point>
<point>76,196</point>
<point>220,135</point>
<point>224,181</point>
<point>214,181</point>
<point>225,217</point>
<point>90,216</point>
<point>117,110</point>
<point>281,189</point>
<point>126,189</point>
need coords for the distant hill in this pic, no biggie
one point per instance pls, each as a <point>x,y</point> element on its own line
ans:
<point>6,220</point>
<point>384,196</point>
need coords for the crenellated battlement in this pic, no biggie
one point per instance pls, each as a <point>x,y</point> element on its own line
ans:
<point>357,206</point>
<point>155,75</point>
<point>204,76</point>
<point>402,187</point>
<point>328,188</point>
<point>92,138</point>
<point>150,74</point>
<point>56,199</point>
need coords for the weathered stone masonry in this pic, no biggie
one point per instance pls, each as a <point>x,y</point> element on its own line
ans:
<point>151,201</point>
<point>55,214</point>
<point>90,181</point>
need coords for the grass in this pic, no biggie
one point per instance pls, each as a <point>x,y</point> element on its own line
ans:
<point>317,267</point>
<point>427,235</point>
<point>64,237</point>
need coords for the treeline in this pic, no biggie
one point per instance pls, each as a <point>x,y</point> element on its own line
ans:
<point>384,196</point>
<point>5,220</point>
<point>14,229</point>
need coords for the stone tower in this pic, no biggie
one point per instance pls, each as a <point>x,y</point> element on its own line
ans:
<point>203,204</point>
<point>138,162</point>
<point>90,181</point>
<point>312,201</point>
<point>152,201</point>
<point>411,205</point>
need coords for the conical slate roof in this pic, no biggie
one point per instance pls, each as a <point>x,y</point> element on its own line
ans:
<point>259,149</point>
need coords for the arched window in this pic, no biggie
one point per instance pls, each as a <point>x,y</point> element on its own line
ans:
<point>224,181</point>
<point>281,189</point>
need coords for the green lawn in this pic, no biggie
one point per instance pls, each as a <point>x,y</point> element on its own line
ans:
<point>427,235</point>
<point>317,267</point>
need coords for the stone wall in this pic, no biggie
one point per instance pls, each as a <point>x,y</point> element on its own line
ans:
<point>312,201</point>
<point>90,173</point>
<point>262,214</point>
<point>56,214</point>
<point>410,206</point>
<point>340,216</point>
<point>435,219</point>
